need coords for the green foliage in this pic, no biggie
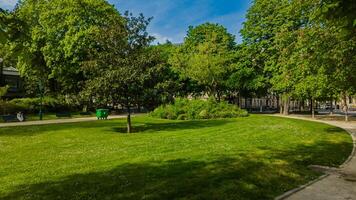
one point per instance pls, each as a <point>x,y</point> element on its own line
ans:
<point>205,56</point>
<point>32,105</point>
<point>7,107</point>
<point>3,91</point>
<point>301,49</point>
<point>122,69</point>
<point>58,39</point>
<point>185,109</point>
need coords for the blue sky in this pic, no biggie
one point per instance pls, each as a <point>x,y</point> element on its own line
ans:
<point>172,17</point>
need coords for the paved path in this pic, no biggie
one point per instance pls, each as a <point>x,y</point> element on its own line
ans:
<point>340,183</point>
<point>56,121</point>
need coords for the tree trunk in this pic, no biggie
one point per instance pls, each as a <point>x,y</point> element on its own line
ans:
<point>286,102</point>
<point>129,127</point>
<point>312,108</point>
<point>331,107</point>
<point>345,107</point>
<point>280,104</point>
<point>347,114</point>
<point>286,106</point>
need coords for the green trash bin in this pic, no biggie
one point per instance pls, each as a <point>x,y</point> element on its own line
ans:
<point>102,113</point>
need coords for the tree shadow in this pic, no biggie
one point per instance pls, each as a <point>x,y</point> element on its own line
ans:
<point>22,131</point>
<point>224,178</point>
<point>323,152</point>
<point>171,126</point>
<point>245,176</point>
<point>117,125</point>
<point>334,130</point>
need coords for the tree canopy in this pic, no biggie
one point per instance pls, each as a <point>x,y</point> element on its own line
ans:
<point>206,57</point>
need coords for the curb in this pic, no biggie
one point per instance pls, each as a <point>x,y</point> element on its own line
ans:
<point>295,190</point>
<point>353,153</point>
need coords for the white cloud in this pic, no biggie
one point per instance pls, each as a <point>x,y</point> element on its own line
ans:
<point>7,4</point>
<point>160,38</point>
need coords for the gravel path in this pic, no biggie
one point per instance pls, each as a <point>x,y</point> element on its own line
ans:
<point>56,121</point>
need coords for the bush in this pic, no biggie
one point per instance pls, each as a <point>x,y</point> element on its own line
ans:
<point>10,108</point>
<point>184,109</point>
<point>32,105</point>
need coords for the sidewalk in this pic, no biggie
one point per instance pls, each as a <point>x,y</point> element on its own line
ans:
<point>56,121</point>
<point>339,184</point>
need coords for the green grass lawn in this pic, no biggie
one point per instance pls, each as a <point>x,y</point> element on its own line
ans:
<point>257,157</point>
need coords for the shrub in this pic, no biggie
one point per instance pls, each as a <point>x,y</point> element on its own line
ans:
<point>32,105</point>
<point>184,109</point>
<point>10,108</point>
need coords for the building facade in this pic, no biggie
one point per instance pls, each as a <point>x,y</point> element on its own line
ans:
<point>10,76</point>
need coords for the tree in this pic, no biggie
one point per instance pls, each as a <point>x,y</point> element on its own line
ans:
<point>58,40</point>
<point>168,80</point>
<point>120,65</point>
<point>326,49</point>
<point>11,30</point>
<point>206,56</point>
<point>265,19</point>
<point>339,20</point>
<point>246,77</point>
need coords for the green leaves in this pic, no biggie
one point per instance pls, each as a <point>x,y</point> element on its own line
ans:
<point>60,35</point>
<point>205,56</point>
<point>305,47</point>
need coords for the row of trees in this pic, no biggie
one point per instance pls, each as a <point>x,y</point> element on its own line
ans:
<point>83,49</point>
<point>300,50</point>
<point>306,48</point>
<point>88,51</point>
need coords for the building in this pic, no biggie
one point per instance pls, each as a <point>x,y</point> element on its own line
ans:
<point>11,77</point>
<point>272,103</point>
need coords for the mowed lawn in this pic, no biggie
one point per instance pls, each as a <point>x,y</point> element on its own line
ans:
<point>257,157</point>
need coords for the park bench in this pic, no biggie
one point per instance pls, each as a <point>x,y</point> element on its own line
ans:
<point>10,118</point>
<point>63,114</point>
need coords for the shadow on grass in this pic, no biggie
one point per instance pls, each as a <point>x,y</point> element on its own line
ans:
<point>224,178</point>
<point>245,176</point>
<point>334,130</point>
<point>325,153</point>
<point>171,126</point>
<point>113,126</point>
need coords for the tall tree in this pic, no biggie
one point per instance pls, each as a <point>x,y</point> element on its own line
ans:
<point>265,20</point>
<point>338,19</point>
<point>206,57</point>
<point>121,65</point>
<point>59,38</point>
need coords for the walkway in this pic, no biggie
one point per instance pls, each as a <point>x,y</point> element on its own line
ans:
<point>338,184</point>
<point>56,121</point>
